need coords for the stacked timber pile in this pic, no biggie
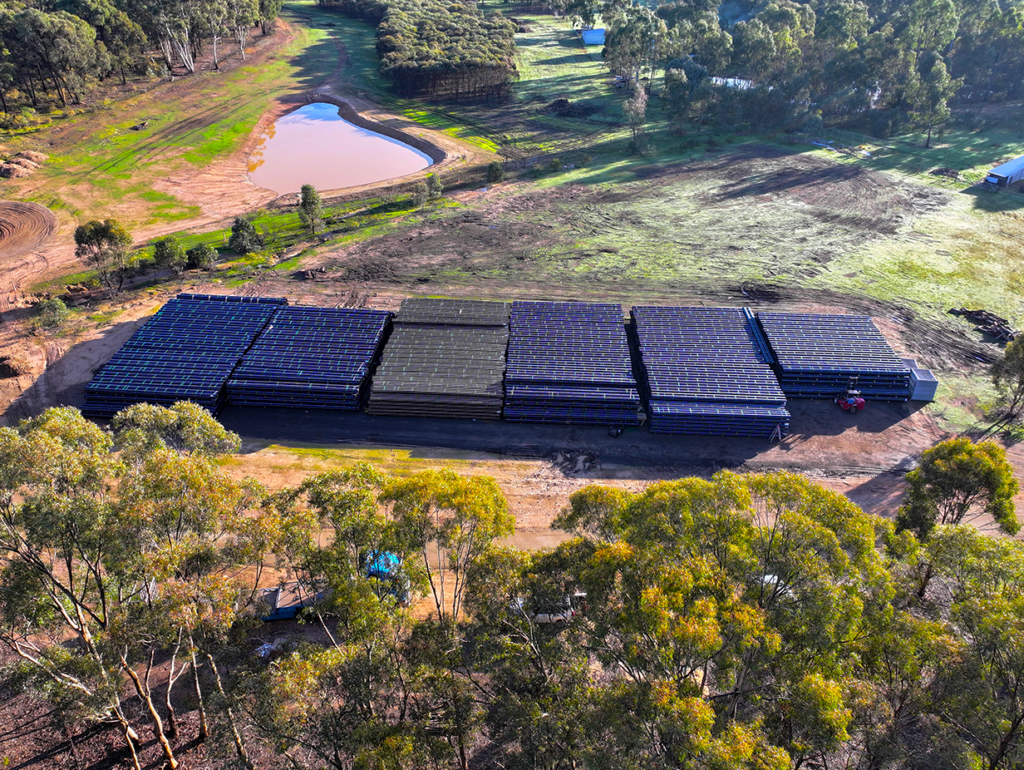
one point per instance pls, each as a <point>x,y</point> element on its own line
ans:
<point>708,373</point>
<point>820,356</point>
<point>186,352</point>
<point>445,358</point>
<point>569,362</point>
<point>988,322</point>
<point>310,358</point>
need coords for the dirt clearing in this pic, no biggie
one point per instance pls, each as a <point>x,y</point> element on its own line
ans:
<point>23,227</point>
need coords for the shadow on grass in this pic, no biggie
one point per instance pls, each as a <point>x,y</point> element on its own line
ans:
<point>992,201</point>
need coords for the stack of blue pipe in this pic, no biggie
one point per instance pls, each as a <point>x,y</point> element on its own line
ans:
<point>569,362</point>
<point>310,358</point>
<point>818,356</point>
<point>185,352</point>
<point>708,373</point>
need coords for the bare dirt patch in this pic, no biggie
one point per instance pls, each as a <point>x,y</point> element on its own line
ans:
<point>846,194</point>
<point>23,227</point>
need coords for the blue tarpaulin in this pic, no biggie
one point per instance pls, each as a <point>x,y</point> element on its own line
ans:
<point>382,565</point>
<point>593,37</point>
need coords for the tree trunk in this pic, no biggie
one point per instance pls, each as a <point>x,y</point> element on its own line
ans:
<point>172,722</point>
<point>158,725</point>
<point>235,735</point>
<point>129,738</point>
<point>925,580</point>
<point>1004,744</point>
<point>167,52</point>
<point>204,729</point>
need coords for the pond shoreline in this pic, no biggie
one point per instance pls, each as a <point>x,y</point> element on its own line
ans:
<point>348,112</point>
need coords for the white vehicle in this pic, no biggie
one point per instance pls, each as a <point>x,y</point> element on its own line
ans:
<point>1008,174</point>
<point>559,614</point>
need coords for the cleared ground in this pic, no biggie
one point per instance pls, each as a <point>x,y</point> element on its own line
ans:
<point>720,219</point>
<point>23,227</point>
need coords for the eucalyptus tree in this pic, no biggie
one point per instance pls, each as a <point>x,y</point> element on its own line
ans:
<point>134,553</point>
<point>959,480</point>
<point>979,693</point>
<point>168,253</point>
<point>311,208</point>
<point>122,36</point>
<point>216,17</point>
<point>1008,377</point>
<point>357,699</point>
<point>635,41</point>
<point>743,594</point>
<point>269,10</point>
<point>242,15</point>
<point>106,246</point>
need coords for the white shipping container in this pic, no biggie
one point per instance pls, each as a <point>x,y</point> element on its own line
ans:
<point>1008,174</point>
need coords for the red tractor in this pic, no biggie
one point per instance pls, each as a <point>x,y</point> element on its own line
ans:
<point>851,400</point>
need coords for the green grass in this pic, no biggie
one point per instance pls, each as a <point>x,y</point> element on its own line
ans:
<point>554,64</point>
<point>58,284</point>
<point>972,153</point>
<point>105,318</point>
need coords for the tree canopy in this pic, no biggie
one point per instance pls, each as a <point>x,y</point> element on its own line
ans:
<point>887,66</point>
<point>957,480</point>
<point>441,50</point>
<point>742,621</point>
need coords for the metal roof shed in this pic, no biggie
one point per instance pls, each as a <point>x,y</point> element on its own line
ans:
<point>287,600</point>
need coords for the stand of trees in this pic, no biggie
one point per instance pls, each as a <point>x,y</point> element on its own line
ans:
<point>439,49</point>
<point>886,66</point>
<point>57,48</point>
<point>757,622</point>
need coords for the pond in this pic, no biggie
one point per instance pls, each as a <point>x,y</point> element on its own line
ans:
<point>315,145</point>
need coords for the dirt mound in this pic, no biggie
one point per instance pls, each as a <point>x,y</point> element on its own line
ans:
<point>35,157</point>
<point>14,171</point>
<point>22,164</point>
<point>563,108</point>
<point>948,173</point>
<point>23,227</point>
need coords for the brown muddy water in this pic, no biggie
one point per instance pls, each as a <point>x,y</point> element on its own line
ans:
<point>314,145</point>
